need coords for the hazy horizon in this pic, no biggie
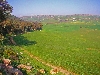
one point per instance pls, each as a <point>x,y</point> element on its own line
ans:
<point>54,7</point>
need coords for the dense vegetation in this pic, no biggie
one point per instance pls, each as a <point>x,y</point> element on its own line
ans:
<point>74,47</point>
<point>10,26</point>
<point>67,41</point>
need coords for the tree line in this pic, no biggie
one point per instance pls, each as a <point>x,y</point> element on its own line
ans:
<point>11,25</point>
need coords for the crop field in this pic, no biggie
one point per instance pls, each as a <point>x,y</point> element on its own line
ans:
<point>75,47</point>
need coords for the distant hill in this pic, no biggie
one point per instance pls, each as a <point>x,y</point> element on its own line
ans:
<point>62,18</point>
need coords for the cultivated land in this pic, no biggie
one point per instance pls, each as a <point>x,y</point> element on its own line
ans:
<point>72,46</point>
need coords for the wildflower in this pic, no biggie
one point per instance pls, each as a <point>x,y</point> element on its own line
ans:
<point>42,71</point>
<point>21,53</point>
<point>28,63</point>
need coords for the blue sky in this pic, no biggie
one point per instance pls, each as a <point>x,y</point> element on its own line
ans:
<point>54,7</point>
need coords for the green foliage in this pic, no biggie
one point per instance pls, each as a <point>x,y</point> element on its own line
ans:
<point>74,48</point>
<point>5,10</point>
<point>33,62</point>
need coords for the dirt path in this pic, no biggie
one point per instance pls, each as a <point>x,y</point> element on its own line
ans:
<point>60,69</point>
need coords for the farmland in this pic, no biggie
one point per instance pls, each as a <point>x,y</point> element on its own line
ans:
<point>48,41</point>
<point>72,46</point>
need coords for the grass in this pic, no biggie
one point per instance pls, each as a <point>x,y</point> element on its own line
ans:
<point>26,59</point>
<point>69,46</point>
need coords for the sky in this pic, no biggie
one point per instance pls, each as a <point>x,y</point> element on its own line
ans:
<point>54,7</point>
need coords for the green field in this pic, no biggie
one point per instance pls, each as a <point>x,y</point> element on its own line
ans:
<point>75,47</point>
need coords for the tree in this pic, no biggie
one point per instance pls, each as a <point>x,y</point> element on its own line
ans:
<point>5,10</point>
<point>11,25</point>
